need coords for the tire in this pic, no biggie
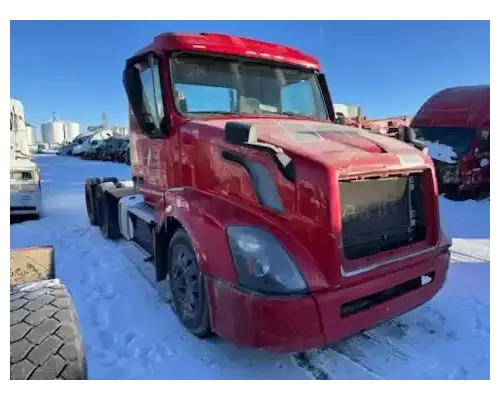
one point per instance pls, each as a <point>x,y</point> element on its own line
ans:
<point>195,319</point>
<point>90,199</point>
<point>45,338</point>
<point>109,226</point>
<point>110,179</point>
<point>453,192</point>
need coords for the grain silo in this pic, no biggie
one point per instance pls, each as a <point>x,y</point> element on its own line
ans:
<point>72,130</point>
<point>53,132</point>
<point>31,134</point>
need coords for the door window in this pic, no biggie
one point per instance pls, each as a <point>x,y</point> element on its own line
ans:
<point>484,141</point>
<point>151,90</point>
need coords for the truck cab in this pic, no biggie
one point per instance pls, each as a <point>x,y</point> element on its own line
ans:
<point>455,126</point>
<point>90,143</point>
<point>274,226</point>
<point>25,184</point>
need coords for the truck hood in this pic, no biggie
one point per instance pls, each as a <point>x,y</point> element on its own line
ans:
<point>349,149</point>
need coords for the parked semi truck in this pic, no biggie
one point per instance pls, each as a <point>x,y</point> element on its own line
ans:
<point>272,226</point>
<point>455,126</point>
<point>25,184</point>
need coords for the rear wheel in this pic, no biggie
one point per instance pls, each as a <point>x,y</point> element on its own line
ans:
<point>187,284</point>
<point>90,199</point>
<point>453,192</point>
<point>108,223</point>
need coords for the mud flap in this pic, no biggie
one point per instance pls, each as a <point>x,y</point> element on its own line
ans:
<point>31,264</point>
<point>138,257</point>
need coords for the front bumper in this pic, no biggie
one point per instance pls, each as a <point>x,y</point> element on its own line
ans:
<point>22,203</point>
<point>290,324</point>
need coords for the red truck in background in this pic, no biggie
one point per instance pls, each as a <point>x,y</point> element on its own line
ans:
<point>273,226</point>
<point>387,126</point>
<point>455,126</point>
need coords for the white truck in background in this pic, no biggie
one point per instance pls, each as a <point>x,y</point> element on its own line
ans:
<point>25,184</point>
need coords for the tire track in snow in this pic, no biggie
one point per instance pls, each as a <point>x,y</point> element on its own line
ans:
<point>306,362</point>
<point>114,347</point>
<point>470,250</point>
<point>393,346</point>
<point>462,256</point>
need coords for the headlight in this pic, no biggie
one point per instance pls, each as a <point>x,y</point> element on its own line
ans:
<point>261,263</point>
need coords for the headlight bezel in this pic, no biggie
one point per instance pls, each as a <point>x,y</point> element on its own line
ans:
<point>264,266</point>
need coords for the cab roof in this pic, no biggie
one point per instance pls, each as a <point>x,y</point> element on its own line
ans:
<point>460,106</point>
<point>230,45</point>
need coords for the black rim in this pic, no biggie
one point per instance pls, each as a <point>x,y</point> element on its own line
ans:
<point>185,281</point>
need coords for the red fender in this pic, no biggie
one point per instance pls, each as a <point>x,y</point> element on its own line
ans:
<point>204,216</point>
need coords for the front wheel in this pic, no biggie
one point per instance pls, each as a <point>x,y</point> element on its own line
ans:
<point>190,301</point>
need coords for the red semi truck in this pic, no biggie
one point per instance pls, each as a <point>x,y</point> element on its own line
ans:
<point>273,226</point>
<point>454,124</point>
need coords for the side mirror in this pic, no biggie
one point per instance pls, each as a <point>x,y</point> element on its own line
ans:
<point>340,118</point>
<point>165,125</point>
<point>238,134</point>
<point>407,134</point>
<point>134,90</point>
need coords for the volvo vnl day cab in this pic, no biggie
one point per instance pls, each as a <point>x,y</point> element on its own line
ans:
<point>455,126</point>
<point>274,227</point>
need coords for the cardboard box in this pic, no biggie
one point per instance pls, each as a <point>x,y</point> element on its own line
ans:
<point>31,264</point>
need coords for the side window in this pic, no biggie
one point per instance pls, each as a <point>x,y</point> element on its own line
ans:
<point>13,121</point>
<point>203,98</point>
<point>298,98</point>
<point>484,141</point>
<point>151,87</point>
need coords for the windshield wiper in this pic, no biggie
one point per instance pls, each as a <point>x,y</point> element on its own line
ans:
<point>216,112</point>
<point>294,114</point>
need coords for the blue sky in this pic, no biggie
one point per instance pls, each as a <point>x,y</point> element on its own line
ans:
<point>74,68</point>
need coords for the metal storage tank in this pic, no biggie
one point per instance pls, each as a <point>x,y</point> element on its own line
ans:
<point>124,131</point>
<point>72,130</point>
<point>349,111</point>
<point>31,134</point>
<point>53,132</point>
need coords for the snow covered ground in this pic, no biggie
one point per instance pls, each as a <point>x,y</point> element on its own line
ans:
<point>131,333</point>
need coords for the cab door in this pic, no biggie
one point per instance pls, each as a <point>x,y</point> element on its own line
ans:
<point>152,146</point>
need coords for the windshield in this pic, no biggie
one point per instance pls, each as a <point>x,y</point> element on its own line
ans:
<point>21,175</point>
<point>459,139</point>
<point>209,85</point>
